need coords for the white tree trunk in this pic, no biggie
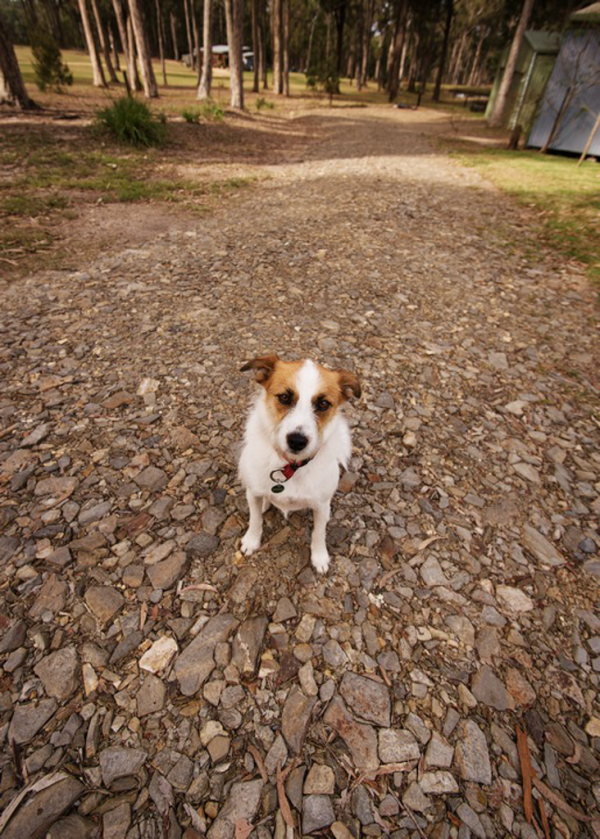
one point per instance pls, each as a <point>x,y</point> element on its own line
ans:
<point>98,73</point>
<point>234,17</point>
<point>206,78</point>
<point>104,43</point>
<point>497,114</point>
<point>148,79</point>
<point>277,57</point>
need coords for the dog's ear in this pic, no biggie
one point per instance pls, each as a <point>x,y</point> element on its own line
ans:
<point>263,367</point>
<point>348,384</point>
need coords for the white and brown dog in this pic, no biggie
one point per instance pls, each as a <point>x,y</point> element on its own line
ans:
<point>296,440</point>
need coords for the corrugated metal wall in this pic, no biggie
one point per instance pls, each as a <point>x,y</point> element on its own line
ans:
<point>574,86</point>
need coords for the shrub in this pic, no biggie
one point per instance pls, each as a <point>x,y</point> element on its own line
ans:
<point>207,110</point>
<point>50,72</point>
<point>261,102</point>
<point>131,121</point>
<point>191,114</point>
<point>325,77</point>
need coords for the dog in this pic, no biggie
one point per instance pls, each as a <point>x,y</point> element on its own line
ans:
<point>296,440</point>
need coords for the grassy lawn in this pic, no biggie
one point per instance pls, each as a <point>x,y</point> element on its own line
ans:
<point>563,198</point>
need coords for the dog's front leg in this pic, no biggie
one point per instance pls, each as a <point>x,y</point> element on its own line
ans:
<point>318,549</point>
<point>251,541</point>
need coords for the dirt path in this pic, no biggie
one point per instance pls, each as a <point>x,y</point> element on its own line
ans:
<point>464,541</point>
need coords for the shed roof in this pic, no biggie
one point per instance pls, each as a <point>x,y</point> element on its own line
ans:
<point>591,14</point>
<point>544,42</point>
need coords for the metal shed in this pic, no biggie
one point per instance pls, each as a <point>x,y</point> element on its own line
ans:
<point>571,101</point>
<point>535,62</point>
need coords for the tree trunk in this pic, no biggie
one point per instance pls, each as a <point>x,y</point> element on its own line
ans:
<point>340,20</point>
<point>497,114</point>
<point>440,73</point>
<point>404,56</point>
<point>457,70</point>
<point>234,19</point>
<point>366,47</point>
<point>134,78</point>
<point>277,51</point>
<point>310,42</point>
<point>188,29</point>
<point>113,47</point>
<point>104,43</point>
<point>174,35</point>
<point>262,40</point>
<point>477,58</point>
<point>196,39</point>
<point>147,71</point>
<point>98,72</point>
<point>206,78</point>
<point>398,43</point>
<point>11,80</point>
<point>122,27</point>
<point>255,46</point>
<point>161,42</point>
<point>285,30</point>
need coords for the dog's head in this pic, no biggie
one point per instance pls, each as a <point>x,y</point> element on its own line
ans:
<point>301,398</point>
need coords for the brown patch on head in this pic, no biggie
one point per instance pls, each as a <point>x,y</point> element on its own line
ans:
<point>337,387</point>
<point>282,390</point>
<point>263,367</point>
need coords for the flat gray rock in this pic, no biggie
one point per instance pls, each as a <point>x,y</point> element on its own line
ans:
<point>33,818</point>
<point>119,762</point>
<point>397,746</point>
<point>295,718</point>
<point>243,803</point>
<point>486,687</point>
<point>195,664</point>
<point>317,813</point>
<point>360,738</point>
<point>28,719</point>
<point>366,698</point>
<point>543,550</point>
<point>247,643</point>
<point>59,672</point>
<point>472,756</point>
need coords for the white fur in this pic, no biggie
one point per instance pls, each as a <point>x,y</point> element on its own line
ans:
<point>312,486</point>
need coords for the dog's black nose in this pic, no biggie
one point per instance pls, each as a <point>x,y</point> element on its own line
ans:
<point>296,441</point>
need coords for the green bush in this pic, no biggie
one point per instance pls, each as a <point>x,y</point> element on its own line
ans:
<point>191,114</point>
<point>50,72</point>
<point>261,102</point>
<point>132,122</point>
<point>325,77</point>
<point>208,110</point>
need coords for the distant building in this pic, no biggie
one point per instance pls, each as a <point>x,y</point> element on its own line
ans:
<point>571,101</point>
<point>220,57</point>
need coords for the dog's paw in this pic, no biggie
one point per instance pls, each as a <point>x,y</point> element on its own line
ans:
<point>320,560</point>
<point>250,543</point>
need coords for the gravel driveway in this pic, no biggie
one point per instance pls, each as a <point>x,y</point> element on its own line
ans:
<point>156,680</point>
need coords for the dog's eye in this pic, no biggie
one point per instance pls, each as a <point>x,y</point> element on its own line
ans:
<point>285,398</point>
<point>322,405</point>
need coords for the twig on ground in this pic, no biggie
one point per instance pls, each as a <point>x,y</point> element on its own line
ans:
<point>526,772</point>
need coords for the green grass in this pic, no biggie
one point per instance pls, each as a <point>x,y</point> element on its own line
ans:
<point>130,121</point>
<point>208,110</point>
<point>563,197</point>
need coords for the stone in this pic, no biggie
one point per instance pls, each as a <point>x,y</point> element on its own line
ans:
<point>307,679</point>
<point>488,644</point>
<point>73,827</point>
<point>415,799</point>
<point>471,754</point>
<point>51,597</point>
<point>417,727</point>
<point>397,746</point>
<point>334,654</point>
<point>366,698</point>
<point>120,762</point>
<point>56,486</point>
<point>519,688</point>
<point>195,664</point>
<point>242,803</point>
<point>469,817</point>
<point>539,547</point>
<point>277,754</point>
<point>181,774</point>
<point>285,610</point>
<point>13,637</point>
<point>156,554</point>
<point>59,672</point>
<point>115,822</point>
<point>151,695</point>
<point>462,627</point>
<point>439,752</point>
<point>486,687</point>
<point>320,780</point>
<point>438,783</point>
<point>362,806</point>
<point>360,738</point>
<point>513,599</point>
<point>151,479</point>
<point>340,831</point>
<point>27,720</point>
<point>432,574</point>
<point>165,574</point>
<point>295,718</point>
<point>317,813</point>
<point>159,655</point>
<point>247,644</point>
<point>36,815</point>
<point>36,436</point>
<point>218,748</point>
<point>104,602</point>
<point>202,545</point>
<point>94,513</point>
